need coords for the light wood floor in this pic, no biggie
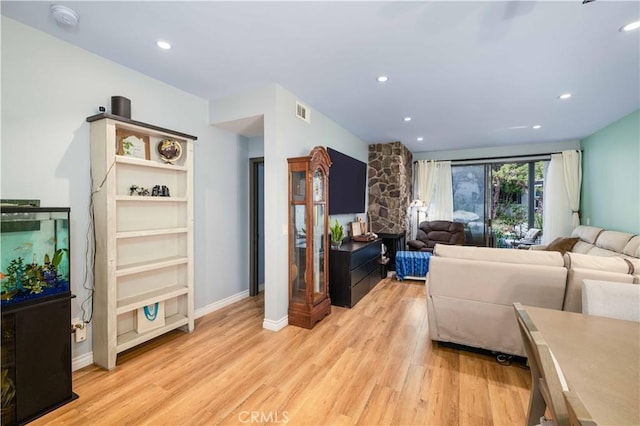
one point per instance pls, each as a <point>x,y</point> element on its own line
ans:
<point>370,365</point>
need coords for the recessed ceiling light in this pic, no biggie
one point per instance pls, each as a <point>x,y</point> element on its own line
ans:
<point>420,139</point>
<point>382,79</point>
<point>163,44</point>
<point>536,126</point>
<point>564,96</point>
<point>630,26</point>
<point>407,119</point>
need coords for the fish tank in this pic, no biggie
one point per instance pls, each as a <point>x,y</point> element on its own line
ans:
<point>34,246</point>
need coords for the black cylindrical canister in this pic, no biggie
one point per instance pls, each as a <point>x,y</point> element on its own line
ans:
<point>121,106</point>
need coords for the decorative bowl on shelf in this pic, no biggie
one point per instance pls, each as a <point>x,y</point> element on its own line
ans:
<point>170,151</point>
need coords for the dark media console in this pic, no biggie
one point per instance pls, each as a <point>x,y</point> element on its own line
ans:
<point>353,271</point>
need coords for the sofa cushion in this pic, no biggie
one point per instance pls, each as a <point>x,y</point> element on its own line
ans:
<point>562,245</point>
<point>582,247</point>
<point>588,234</point>
<point>527,257</point>
<point>600,263</point>
<point>613,240</point>
<point>597,251</point>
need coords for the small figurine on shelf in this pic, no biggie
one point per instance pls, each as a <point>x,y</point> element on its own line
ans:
<point>138,190</point>
<point>160,191</point>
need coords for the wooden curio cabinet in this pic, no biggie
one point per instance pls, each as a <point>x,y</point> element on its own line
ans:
<point>308,238</point>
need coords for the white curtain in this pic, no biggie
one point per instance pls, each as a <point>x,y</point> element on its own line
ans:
<point>557,214</point>
<point>425,174</point>
<point>423,184</point>
<point>572,162</point>
<point>441,206</point>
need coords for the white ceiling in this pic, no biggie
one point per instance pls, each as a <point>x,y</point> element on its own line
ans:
<point>470,74</point>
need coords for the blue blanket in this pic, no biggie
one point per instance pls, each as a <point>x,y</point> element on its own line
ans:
<point>412,264</point>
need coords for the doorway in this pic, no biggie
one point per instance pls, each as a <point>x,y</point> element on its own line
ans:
<point>256,228</point>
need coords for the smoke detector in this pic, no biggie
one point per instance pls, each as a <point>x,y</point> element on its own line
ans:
<point>64,15</point>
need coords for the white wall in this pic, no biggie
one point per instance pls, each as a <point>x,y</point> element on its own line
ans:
<point>221,215</point>
<point>49,87</point>
<point>256,147</point>
<point>285,136</point>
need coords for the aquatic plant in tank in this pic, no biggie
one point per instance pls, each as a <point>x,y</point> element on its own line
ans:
<point>34,258</point>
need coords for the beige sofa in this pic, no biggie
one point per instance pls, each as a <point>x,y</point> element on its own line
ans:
<point>600,242</point>
<point>471,290</point>
<point>585,266</point>
<point>599,255</point>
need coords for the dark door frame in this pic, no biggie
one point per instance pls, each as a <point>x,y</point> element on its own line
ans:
<point>253,226</point>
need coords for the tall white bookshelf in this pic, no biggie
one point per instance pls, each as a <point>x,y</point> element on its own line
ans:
<point>144,243</point>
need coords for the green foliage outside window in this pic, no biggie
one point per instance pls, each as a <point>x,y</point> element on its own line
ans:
<point>510,183</point>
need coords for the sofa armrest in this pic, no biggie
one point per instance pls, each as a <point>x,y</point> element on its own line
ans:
<point>416,244</point>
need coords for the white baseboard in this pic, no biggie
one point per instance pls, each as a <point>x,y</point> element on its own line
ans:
<point>81,361</point>
<point>200,312</point>
<point>275,325</point>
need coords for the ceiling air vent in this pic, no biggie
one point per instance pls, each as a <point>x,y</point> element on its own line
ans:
<point>302,112</point>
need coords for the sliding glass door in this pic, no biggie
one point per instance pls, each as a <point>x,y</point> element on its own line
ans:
<point>498,201</point>
<point>469,202</point>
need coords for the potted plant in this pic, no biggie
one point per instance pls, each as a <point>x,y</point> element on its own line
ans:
<point>337,233</point>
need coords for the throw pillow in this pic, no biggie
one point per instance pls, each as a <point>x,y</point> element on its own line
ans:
<point>562,245</point>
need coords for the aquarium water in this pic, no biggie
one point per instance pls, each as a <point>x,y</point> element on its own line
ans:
<point>34,245</point>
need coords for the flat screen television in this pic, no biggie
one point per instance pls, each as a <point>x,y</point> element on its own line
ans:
<point>347,184</point>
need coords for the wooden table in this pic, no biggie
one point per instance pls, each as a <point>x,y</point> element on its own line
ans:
<point>600,358</point>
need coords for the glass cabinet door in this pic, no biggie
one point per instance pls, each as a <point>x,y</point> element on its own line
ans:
<point>318,253</point>
<point>298,235</point>
<point>298,186</point>
<point>319,291</point>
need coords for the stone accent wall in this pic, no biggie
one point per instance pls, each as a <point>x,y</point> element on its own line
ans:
<point>390,169</point>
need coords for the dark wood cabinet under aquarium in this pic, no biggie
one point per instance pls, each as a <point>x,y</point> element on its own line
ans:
<point>36,359</point>
<point>36,312</point>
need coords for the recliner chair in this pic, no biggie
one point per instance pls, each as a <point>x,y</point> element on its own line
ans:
<point>435,232</point>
